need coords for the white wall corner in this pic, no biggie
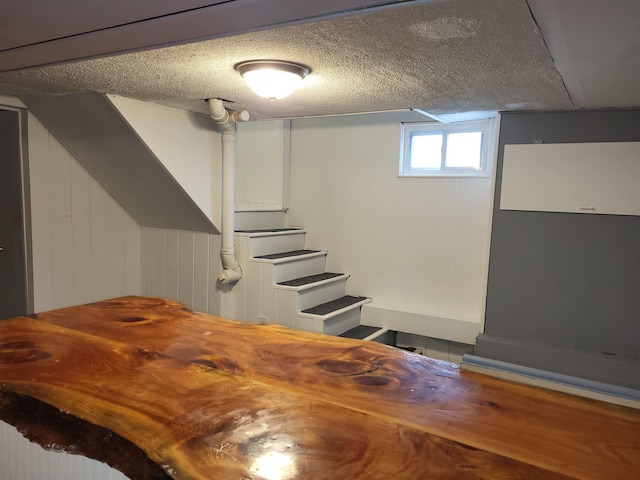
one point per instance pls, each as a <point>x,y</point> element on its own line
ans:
<point>187,143</point>
<point>11,101</point>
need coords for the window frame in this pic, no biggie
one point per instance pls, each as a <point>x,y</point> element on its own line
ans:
<point>485,127</point>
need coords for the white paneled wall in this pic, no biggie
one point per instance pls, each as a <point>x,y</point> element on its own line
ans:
<point>418,245</point>
<point>182,265</point>
<point>85,246</point>
<point>23,460</point>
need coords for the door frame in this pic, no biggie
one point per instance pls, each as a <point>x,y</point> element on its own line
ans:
<point>10,104</point>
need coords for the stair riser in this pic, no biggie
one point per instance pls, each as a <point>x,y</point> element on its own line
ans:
<point>259,283</point>
<point>321,294</point>
<point>254,220</point>
<point>298,268</point>
<point>276,244</point>
<point>332,326</point>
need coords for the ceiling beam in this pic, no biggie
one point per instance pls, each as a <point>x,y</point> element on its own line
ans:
<point>212,21</point>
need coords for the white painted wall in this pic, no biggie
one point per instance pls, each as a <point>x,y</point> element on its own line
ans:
<point>85,248</point>
<point>8,101</point>
<point>188,145</point>
<point>182,265</point>
<point>417,246</point>
<point>23,460</point>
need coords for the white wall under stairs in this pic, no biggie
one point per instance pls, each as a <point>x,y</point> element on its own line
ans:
<point>310,299</point>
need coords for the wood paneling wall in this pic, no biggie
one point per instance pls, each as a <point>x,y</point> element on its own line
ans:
<point>182,265</point>
<point>85,246</point>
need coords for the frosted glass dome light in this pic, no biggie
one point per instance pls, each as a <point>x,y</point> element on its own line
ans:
<point>272,79</point>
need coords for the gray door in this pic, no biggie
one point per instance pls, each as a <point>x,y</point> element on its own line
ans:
<point>13,292</point>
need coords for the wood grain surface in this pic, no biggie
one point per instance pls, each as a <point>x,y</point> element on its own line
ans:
<point>208,398</point>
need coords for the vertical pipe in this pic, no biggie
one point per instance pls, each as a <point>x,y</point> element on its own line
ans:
<point>231,271</point>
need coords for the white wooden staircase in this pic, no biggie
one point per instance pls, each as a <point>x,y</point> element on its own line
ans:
<point>287,284</point>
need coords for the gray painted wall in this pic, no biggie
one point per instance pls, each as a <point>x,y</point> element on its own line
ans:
<point>564,289</point>
<point>13,280</point>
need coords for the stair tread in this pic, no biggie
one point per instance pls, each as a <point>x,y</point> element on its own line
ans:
<point>293,253</point>
<point>333,305</point>
<point>270,230</point>
<point>298,282</point>
<point>360,332</point>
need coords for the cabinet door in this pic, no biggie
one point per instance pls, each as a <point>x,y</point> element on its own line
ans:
<point>262,165</point>
<point>597,178</point>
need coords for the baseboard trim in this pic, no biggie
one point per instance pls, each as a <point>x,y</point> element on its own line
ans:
<point>552,381</point>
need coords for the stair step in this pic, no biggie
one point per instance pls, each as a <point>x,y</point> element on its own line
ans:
<point>334,305</point>
<point>360,332</point>
<point>287,255</point>
<point>269,241</point>
<point>274,268</point>
<point>333,317</point>
<point>270,232</point>
<point>258,219</point>
<point>302,281</point>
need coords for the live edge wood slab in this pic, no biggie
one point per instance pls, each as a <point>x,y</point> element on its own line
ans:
<point>177,394</point>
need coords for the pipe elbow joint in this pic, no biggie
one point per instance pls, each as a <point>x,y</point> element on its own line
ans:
<point>231,271</point>
<point>217,110</point>
<point>226,120</point>
<point>230,275</point>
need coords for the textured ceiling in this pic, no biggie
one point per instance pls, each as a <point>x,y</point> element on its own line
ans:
<point>442,57</point>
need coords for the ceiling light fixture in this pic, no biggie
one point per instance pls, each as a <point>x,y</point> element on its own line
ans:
<point>272,79</point>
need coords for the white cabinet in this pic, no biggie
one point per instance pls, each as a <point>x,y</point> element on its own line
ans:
<point>262,165</point>
<point>596,178</point>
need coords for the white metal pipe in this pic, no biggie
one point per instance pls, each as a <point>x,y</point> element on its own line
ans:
<point>216,109</point>
<point>226,120</point>
<point>231,271</point>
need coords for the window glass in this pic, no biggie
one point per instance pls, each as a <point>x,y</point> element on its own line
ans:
<point>426,151</point>
<point>453,149</point>
<point>464,150</point>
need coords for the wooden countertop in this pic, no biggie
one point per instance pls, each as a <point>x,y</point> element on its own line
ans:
<point>208,398</point>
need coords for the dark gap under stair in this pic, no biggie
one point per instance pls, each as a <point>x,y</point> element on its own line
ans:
<point>298,282</point>
<point>333,305</point>
<point>293,253</point>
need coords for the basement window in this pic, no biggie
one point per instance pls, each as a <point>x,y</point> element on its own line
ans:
<point>455,149</point>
